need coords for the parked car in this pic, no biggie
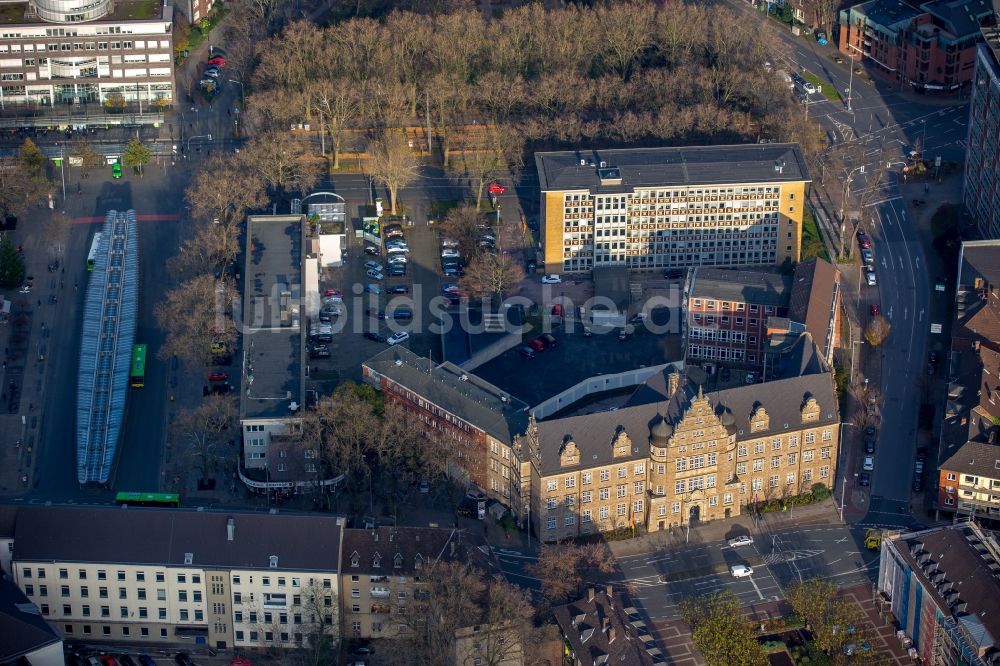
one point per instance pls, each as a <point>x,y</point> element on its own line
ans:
<point>424,488</point>
<point>393,231</point>
<point>402,314</point>
<point>869,444</point>
<point>526,351</point>
<point>551,279</point>
<point>374,335</point>
<point>548,339</point>
<point>918,482</point>
<point>218,376</point>
<point>870,277</point>
<point>183,660</point>
<point>741,570</point>
<point>377,314</point>
<point>869,463</point>
<point>146,660</point>
<point>373,289</point>
<point>864,479</point>
<point>375,275</point>
<point>372,251</point>
<point>212,73</point>
<point>218,61</point>
<point>333,293</point>
<point>536,344</point>
<point>450,253</point>
<point>397,270</point>
<point>396,259</point>
<point>743,540</point>
<point>875,310</point>
<point>319,351</point>
<point>398,289</point>
<point>449,242</point>
<point>867,256</point>
<point>373,266</point>
<point>397,338</point>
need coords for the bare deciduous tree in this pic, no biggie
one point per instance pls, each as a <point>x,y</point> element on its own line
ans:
<point>561,568</point>
<point>492,274</point>
<point>393,164</point>
<point>194,315</point>
<point>205,434</point>
<point>283,163</point>
<point>209,201</point>
<point>211,249</point>
<point>462,225</point>
<point>877,330</point>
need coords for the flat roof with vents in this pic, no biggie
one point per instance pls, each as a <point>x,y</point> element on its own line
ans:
<point>624,170</point>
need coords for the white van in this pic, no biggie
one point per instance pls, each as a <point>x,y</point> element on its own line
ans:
<point>741,570</point>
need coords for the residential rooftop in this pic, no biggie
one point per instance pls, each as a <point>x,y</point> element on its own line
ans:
<point>273,338</point>
<point>625,170</point>
<point>601,629</point>
<point>961,18</point>
<point>891,14</point>
<point>766,286</point>
<point>959,565</point>
<point>22,626</point>
<point>407,551</point>
<point>453,390</point>
<point>166,537</point>
<point>813,301</point>
<point>976,458</point>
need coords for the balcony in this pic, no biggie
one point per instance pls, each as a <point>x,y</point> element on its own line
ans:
<point>379,592</point>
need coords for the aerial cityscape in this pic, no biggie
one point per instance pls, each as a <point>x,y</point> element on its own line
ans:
<point>523,333</point>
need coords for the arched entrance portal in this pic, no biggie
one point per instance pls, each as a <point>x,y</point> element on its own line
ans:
<point>695,513</point>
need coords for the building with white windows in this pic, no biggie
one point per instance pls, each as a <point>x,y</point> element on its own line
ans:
<point>180,578</point>
<point>107,61</point>
<point>662,208</point>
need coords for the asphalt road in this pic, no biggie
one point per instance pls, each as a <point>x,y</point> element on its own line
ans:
<point>662,579</point>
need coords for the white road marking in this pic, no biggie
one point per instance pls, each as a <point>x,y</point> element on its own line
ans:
<point>757,589</point>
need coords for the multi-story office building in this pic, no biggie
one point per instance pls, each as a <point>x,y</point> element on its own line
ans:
<point>68,55</point>
<point>732,315</point>
<point>480,418</point>
<point>982,158</point>
<point>658,208</point>
<point>177,578</point>
<point>928,47</point>
<point>941,587</point>
<point>727,313</point>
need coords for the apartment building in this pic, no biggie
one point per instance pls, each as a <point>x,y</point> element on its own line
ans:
<point>27,637</point>
<point>661,208</point>
<point>972,364</point>
<point>981,191</point>
<point>926,47</point>
<point>480,418</point>
<point>673,455</point>
<point>941,588</point>
<point>384,582</point>
<point>728,310</point>
<point>67,55</point>
<point>602,629</point>
<point>180,578</point>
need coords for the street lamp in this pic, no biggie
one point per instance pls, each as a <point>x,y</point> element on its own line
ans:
<point>843,204</point>
<point>850,84</point>
<point>843,496</point>
<point>240,84</point>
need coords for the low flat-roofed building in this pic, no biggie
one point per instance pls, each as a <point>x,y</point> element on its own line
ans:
<point>273,373</point>
<point>177,578</point>
<point>943,588</point>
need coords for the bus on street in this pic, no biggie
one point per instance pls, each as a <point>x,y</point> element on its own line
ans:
<point>93,251</point>
<point>138,374</point>
<point>170,500</point>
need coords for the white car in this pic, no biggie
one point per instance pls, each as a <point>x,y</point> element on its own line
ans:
<point>449,242</point>
<point>373,266</point>
<point>743,540</point>
<point>396,338</point>
<point>374,274</point>
<point>449,252</point>
<point>741,570</point>
<point>551,279</point>
<point>397,250</point>
<point>870,277</point>
<point>869,464</point>
<point>397,259</point>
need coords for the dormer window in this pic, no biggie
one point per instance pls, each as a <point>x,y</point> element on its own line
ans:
<point>418,562</point>
<point>355,560</point>
<point>397,561</point>
<point>376,561</point>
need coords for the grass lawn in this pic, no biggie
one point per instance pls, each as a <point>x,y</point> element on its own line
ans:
<point>812,244</point>
<point>828,89</point>
<point>142,9</point>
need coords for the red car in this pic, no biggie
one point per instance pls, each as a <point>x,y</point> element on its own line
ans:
<point>108,660</point>
<point>537,345</point>
<point>332,292</point>
<point>218,61</point>
<point>218,377</point>
<point>875,309</point>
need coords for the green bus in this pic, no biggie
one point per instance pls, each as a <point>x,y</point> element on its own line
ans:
<point>138,375</point>
<point>171,500</point>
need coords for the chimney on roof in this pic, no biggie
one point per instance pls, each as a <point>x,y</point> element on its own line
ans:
<point>605,623</point>
<point>611,634</point>
<point>230,529</point>
<point>609,590</point>
<point>590,594</point>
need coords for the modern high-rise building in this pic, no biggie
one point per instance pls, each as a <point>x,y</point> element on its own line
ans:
<point>85,57</point>
<point>982,159</point>
<point>660,208</point>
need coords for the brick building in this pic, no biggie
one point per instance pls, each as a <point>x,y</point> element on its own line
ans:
<point>927,47</point>
<point>659,208</point>
<point>969,433</point>
<point>481,418</point>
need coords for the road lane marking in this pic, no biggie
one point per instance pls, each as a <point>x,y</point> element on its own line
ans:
<point>757,589</point>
